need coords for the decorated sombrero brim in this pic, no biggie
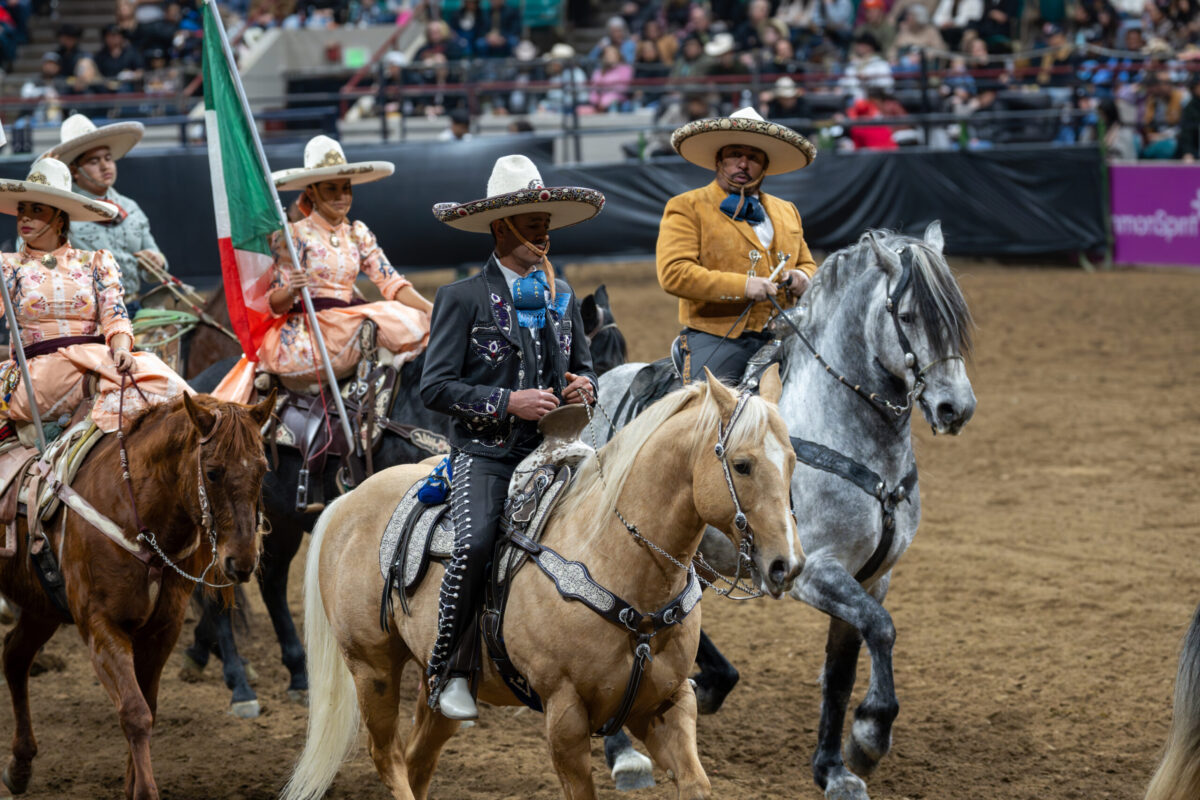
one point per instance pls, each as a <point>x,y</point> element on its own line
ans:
<point>79,135</point>
<point>700,141</point>
<point>49,183</point>
<point>516,188</point>
<point>325,161</point>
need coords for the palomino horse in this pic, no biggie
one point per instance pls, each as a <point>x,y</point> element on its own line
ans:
<point>659,473</point>
<point>1178,774</point>
<point>197,468</point>
<point>214,631</point>
<point>882,328</point>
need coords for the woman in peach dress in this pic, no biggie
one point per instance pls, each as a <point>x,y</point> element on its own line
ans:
<point>70,310</point>
<point>332,252</point>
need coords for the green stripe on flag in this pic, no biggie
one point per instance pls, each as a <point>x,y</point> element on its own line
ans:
<point>252,214</point>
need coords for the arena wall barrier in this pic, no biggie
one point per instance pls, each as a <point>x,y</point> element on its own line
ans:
<point>1156,213</point>
<point>1002,202</point>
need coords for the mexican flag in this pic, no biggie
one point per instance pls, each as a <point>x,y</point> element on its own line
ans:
<point>243,197</point>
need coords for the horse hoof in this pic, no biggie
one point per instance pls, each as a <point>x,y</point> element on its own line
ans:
<point>299,696</point>
<point>245,709</point>
<point>632,771</point>
<point>16,776</point>
<point>846,787</point>
<point>192,670</point>
<point>860,757</point>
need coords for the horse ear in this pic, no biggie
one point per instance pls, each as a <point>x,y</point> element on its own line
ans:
<point>889,257</point>
<point>933,235</point>
<point>201,417</point>
<point>601,295</point>
<point>770,387</point>
<point>726,399</point>
<point>589,313</point>
<point>262,412</point>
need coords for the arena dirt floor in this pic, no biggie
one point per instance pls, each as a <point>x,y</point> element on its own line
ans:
<point>1039,611</point>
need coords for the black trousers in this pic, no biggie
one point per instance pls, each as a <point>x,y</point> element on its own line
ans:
<point>725,359</point>
<point>478,489</point>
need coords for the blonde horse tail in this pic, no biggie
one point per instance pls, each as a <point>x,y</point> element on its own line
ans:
<point>1178,774</point>
<point>333,716</point>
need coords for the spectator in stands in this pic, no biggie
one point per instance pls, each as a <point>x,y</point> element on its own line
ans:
<point>1187,145</point>
<point>503,31</point>
<point>68,47</point>
<point>161,77</point>
<point>160,34</point>
<point>691,61</point>
<point>876,24</point>
<point>725,61</point>
<point>983,126</point>
<point>1161,114</point>
<point>666,44</point>
<point>958,85</point>
<point>459,129</point>
<point>787,101</point>
<point>671,115</point>
<point>649,65</point>
<point>869,137</point>
<point>836,20</point>
<point>916,33</point>
<point>617,35</point>
<point>439,45</point>
<point>1134,39</point>
<point>117,60</point>
<point>953,17</point>
<point>866,68</point>
<point>700,24</point>
<point>676,13</point>
<point>749,35</point>
<point>783,59</point>
<point>1120,141</point>
<point>998,24</point>
<point>1057,73</point>
<point>148,10</point>
<point>1095,22</point>
<point>125,20</point>
<point>45,89</point>
<point>610,81</point>
<point>568,80</point>
<point>466,22</point>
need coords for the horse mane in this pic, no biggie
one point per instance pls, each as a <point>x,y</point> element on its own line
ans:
<point>170,421</point>
<point>939,300</point>
<point>618,455</point>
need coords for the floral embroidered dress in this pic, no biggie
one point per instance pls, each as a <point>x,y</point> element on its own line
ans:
<point>72,293</point>
<point>333,256</point>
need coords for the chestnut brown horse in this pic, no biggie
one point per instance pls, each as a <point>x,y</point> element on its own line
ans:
<point>196,468</point>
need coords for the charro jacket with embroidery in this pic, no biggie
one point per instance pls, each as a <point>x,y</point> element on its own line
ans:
<point>478,356</point>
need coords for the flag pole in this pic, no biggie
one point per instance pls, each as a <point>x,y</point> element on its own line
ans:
<point>14,329</point>
<point>314,328</point>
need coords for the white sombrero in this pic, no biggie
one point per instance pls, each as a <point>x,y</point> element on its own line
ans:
<point>49,182</point>
<point>700,141</point>
<point>79,134</point>
<point>325,161</point>
<point>516,188</point>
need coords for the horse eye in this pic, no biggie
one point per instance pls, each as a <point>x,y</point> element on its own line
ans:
<point>214,473</point>
<point>907,317</point>
<point>741,467</point>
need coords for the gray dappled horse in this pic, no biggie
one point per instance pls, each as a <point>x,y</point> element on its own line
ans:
<point>891,327</point>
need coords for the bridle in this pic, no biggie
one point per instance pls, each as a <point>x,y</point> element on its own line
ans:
<point>740,521</point>
<point>899,411</point>
<point>206,518</point>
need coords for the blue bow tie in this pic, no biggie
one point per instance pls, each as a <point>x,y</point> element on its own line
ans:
<point>752,209</point>
<point>529,298</point>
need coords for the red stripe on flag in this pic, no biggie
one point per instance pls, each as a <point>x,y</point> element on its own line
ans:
<point>249,325</point>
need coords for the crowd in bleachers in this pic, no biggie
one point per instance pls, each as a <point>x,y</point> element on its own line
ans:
<point>1123,70</point>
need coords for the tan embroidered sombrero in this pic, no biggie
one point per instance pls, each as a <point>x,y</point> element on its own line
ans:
<point>516,187</point>
<point>49,182</point>
<point>325,161</point>
<point>700,141</point>
<point>79,134</point>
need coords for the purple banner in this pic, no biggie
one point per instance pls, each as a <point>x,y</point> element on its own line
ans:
<point>1156,213</point>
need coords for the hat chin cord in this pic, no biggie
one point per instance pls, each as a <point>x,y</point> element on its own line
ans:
<point>541,252</point>
<point>57,213</point>
<point>752,186</point>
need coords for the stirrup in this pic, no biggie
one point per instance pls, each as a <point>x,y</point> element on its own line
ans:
<point>455,700</point>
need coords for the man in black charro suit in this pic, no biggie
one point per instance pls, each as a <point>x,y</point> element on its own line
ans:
<point>506,347</point>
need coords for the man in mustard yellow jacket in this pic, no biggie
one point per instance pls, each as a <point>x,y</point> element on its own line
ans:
<point>719,245</point>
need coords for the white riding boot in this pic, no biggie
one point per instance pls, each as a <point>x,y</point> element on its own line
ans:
<point>456,702</point>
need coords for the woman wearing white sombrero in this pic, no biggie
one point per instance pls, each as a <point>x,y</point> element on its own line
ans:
<point>719,246</point>
<point>332,252</point>
<point>92,153</point>
<point>70,309</point>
